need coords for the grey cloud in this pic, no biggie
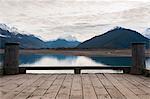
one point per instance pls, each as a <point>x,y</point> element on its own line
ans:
<point>52,18</point>
<point>80,26</point>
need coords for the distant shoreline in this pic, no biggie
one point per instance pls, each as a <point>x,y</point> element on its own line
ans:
<point>81,52</point>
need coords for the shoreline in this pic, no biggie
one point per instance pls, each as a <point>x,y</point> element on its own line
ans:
<point>82,52</point>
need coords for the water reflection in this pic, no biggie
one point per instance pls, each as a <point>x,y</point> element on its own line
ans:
<point>58,60</point>
<point>64,60</point>
<point>113,61</point>
<point>148,63</point>
<point>33,58</point>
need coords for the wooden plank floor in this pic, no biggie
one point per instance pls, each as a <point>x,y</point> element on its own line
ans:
<point>70,86</point>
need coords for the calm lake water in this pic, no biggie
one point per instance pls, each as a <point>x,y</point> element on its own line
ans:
<point>64,60</point>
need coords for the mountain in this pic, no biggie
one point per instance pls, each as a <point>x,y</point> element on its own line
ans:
<point>117,38</point>
<point>147,33</point>
<point>26,41</point>
<point>62,43</point>
<point>8,34</point>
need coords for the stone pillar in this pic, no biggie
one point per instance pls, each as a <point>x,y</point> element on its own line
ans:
<point>11,58</point>
<point>138,57</point>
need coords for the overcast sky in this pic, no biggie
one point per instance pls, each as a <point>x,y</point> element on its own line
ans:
<point>80,19</point>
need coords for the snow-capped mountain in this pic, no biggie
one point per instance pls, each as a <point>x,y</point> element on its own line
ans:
<point>26,41</point>
<point>11,34</point>
<point>10,29</point>
<point>117,38</point>
<point>4,27</point>
<point>8,34</point>
<point>62,43</point>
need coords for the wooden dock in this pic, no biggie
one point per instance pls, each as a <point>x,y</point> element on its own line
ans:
<point>70,86</point>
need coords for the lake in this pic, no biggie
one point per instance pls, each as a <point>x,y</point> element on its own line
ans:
<point>64,60</point>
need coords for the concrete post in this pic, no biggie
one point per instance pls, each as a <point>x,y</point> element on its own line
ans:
<point>11,58</point>
<point>138,57</point>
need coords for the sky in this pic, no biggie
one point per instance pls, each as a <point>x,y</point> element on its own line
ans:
<point>74,19</point>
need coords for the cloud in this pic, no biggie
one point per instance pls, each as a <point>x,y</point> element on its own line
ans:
<point>68,37</point>
<point>81,19</point>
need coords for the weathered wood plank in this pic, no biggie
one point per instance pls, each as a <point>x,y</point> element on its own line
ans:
<point>101,92</point>
<point>54,88</point>
<point>29,80</point>
<point>17,90</point>
<point>10,85</point>
<point>34,90</point>
<point>65,89</point>
<point>10,79</point>
<point>4,79</point>
<point>112,90</point>
<point>125,91</point>
<point>88,90</point>
<point>39,97</point>
<point>143,81</point>
<point>132,80</point>
<point>129,85</point>
<point>37,92</point>
<point>40,81</point>
<point>48,82</point>
<point>144,96</point>
<point>145,78</point>
<point>76,90</point>
<point>68,86</point>
<point>9,95</point>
